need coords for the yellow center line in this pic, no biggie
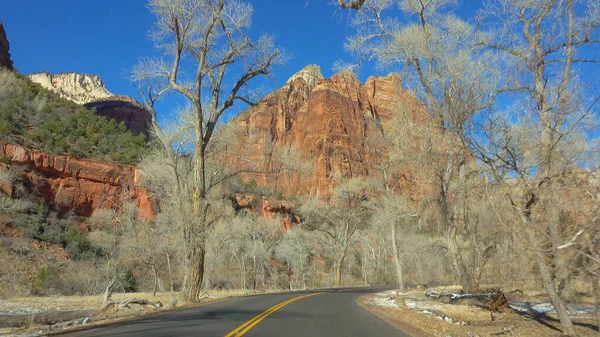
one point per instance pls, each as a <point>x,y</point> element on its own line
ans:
<point>242,329</point>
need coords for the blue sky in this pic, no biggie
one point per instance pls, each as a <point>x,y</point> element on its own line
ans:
<point>107,37</point>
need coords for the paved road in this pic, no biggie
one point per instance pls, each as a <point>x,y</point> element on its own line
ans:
<point>333,313</point>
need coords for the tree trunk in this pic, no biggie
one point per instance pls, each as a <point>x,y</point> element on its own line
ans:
<point>561,310</point>
<point>196,249</point>
<point>457,261</point>
<point>397,258</point>
<point>304,277</point>
<point>559,306</point>
<point>338,272</point>
<point>155,281</point>
<point>254,271</point>
<point>108,291</point>
<point>196,273</point>
<point>562,270</point>
<point>243,271</point>
<point>364,269</point>
<point>170,271</point>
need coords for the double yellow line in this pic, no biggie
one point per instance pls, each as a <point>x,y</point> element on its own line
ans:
<point>242,329</point>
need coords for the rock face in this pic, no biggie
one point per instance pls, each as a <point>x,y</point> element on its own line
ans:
<point>328,121</point>
<point>81,186</point>
<point>5,60</point>
<point>79,88</point>
<point>89,91</point>
<point>124,109</point>
<point>267,207</point>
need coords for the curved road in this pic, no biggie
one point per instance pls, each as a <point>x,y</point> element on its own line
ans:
<point>326,313</point>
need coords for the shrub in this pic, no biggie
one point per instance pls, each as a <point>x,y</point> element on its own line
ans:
<point>128,281</point>
<point>38,118</point>
<point>46,279</point>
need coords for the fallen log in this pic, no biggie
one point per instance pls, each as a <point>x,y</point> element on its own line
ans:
<point>44,318</point>
<point>493,301</point>
<point>128,304</point>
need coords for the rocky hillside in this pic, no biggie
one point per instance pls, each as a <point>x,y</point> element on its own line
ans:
<point>90,91</point>
<point>5,60</point>
<point>72,185</point>
<point>328,121</point>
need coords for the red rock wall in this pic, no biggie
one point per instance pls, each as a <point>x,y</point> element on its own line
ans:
<point>267,207</point>
<point>329,123</point>
<point>5,60</point>
<point>81,186</point>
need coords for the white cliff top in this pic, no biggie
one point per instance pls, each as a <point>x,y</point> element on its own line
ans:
<point>79,88</point>
<point>311,75</point>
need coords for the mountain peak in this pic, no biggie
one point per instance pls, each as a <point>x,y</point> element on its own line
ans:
<point>311,75</point>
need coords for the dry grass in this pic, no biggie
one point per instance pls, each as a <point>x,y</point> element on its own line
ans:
<point>477,322</point>
<point>582,292</point>
<point>86,302</point>
<point>95,301</point>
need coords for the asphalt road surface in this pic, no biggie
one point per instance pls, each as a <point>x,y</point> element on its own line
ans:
<point>326,313</point>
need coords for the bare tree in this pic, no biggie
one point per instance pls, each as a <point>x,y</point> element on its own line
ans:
<point>392,212</point>
<point>223,59</point>
<point>451,78</point>
<point>339,219</point>
<point>543,42</point>
<point>294,250</point>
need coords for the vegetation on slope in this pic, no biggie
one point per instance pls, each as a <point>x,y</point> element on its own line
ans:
<point>40,119</point>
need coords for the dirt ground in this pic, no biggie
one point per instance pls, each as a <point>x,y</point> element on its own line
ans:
<point>467,320</point>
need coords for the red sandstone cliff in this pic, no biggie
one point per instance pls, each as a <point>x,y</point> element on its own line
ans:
<point>329,121</point>
<point>5,60</point>
<point>267,207</point>
<point>81,186</point>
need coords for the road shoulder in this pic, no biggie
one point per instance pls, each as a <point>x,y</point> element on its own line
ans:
<point>392,317</point>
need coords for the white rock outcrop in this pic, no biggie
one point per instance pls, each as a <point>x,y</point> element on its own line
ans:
<point>311,75</point>
<point>79,88</point>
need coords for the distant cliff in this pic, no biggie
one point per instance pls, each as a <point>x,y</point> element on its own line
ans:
<point>5,60</point>
<point>329,122</point>
<point>90,91</point>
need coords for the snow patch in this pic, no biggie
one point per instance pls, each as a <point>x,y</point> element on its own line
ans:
<point>383,302</point>
<point>540,308</point>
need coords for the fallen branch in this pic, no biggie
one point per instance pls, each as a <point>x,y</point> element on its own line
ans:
<point>127,304</point>
<point>504,331</point>
<point>44,318</point>
<point>205,295</point>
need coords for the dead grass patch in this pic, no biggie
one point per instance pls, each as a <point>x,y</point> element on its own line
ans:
<point>477,322</point>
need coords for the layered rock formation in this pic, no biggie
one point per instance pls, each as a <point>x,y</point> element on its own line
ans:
<point>80,186</point>
<point>89,91</point>
<point>267,207</point>
<point>328,121</point>
<point>5,60</point>
<point>79,88</point>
